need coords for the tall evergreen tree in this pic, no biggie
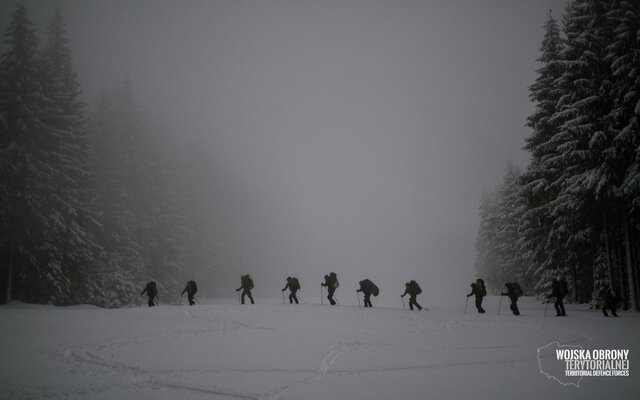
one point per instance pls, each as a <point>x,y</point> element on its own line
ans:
<point>65,119</point>
<point>33,269</point>
<point>540,182</point>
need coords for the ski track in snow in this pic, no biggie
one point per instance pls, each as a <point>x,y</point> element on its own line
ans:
<point>117,376</point>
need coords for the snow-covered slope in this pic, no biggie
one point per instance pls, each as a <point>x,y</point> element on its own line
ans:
<point>221,350</point>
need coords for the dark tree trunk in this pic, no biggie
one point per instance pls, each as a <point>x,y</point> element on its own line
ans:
<point>633,298</point>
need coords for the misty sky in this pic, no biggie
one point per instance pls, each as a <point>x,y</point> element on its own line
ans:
<point>347,136</point>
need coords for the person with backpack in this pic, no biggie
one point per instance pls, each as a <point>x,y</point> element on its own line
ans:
<point>479,290</point>
<point>246,284</point>
<point>513,291</point>
<point>331,283</point>
<point>293,285</point>
<point>368,288</point>
<point>559,290</point>
<point>191,290</point>
<point>151,291</point>
<point>609,301</point>
<point>413,290</point>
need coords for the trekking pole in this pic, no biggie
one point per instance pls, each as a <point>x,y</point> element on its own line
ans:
<point>321,295</point>
<point>500,305</point>
<point>180,301</point>
<point>283,297</point>
<point>336,299</point>
<point>403,307</point>
<point>465,305</point>
<point>545,309</point>
<point>302,300</point>
<point>239,301</point>
<point>358,296</point>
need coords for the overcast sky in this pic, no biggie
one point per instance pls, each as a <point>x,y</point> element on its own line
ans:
<point>347,136</point>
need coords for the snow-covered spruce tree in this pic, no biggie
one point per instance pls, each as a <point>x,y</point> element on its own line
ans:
<point>584,180</point>
<point>486,256</point>
<point>539,183</point>
<point>623,55</point>
<point>498,257</point>
<point>66,122</point>
<point>118,272</point>
<point>579,187</point>
<point>142,201</point>
<point>30,206</point>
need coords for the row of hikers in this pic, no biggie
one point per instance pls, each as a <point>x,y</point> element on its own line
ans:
<point>367,287</point>
<point>559,290</point>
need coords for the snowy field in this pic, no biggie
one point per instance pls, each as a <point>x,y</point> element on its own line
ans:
<point>221,350</point>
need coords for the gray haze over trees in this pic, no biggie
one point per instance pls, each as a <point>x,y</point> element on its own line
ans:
<point>204,140</point>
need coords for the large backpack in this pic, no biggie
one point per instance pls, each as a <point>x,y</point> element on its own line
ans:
<point>334,280</point>
<point>481,288</point>
<point>192,287</point>
<point>374,289</point>
<point>517,290</point>
<point>415,288</point>
<point>151,288</point>
<point>370,287</point>
<point>294,284</point>
<point>247,282</point>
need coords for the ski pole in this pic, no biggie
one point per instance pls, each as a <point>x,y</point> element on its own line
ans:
<point>403,307</point>
<point>465,305</point>
<point>545,309</point>
<point>500,305</point>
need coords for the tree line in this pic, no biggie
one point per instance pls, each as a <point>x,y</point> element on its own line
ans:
<point>91,204</point>
<point>575,210</point>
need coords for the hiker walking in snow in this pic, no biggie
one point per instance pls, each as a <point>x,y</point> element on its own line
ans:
<point>479,290</point>
<point>609,301</point>
<point>413,290</point>
<point>368,288</point>
<point>331,283</point>
<point>559,290</point>
<point>151,291</point>
<point>191,290</point>
<point>513,291</point>
<point>246,284</point>
<point>293,285</point>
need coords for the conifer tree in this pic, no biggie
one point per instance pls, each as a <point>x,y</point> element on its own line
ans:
<point>34,267</point>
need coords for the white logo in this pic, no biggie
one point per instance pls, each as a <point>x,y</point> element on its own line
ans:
<point>568,364</point>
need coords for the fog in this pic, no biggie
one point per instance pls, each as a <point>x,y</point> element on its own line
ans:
<point>346,136</point>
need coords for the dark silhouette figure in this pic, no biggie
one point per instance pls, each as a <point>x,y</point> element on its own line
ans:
<point>191,290</point>
<point>293,285</point>
<point>413,290</point>
<point>368,288</point>
<point>609,301</point>
<point>559,290</point>
<point>151,291</point>
<point>246,284</point>
<point>513,292</point>
<point>331,283</point>
<point>478,290</point>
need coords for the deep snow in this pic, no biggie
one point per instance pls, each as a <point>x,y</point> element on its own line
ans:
<point>222,350</point>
